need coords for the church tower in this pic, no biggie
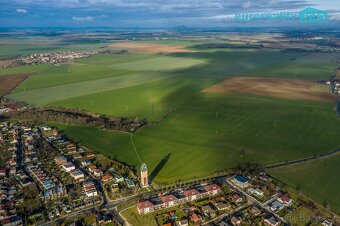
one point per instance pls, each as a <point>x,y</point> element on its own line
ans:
<point>144,176</point>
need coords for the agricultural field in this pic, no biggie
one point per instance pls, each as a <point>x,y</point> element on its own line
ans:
<point>275,87</point>
<point>317,179</point>
<point>216,132</point>
<point>9,82</point>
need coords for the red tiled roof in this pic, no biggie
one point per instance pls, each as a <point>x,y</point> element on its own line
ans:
<point>144,204</point>
<point>190,192</point>
<point>285,198</point>
<point>212,187</point>
<point>168,198</point>
<point>195,217</point>
<point>236,197</point>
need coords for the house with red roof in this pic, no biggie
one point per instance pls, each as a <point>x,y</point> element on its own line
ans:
<point>285,199</point>
<point>2,172</point>
<point>212,189</point>
<point>145,207</point>
<point>169,200</point>
<point>195,217</point>
<point>191,194</point>
<point>236,198</point>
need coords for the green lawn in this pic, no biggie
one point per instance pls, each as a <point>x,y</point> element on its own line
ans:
<point>134,218</point>
<point>317,179</point>
<point>300,216</point>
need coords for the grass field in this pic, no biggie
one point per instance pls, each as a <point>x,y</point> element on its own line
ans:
<point>317,179</point>
<point>300,217</point>
<point>215,132</point>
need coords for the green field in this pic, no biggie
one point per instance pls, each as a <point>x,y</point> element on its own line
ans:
<point>215,132</point>
<point>317,179</point>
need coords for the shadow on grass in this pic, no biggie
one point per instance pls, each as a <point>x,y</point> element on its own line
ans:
<point>159,167</point>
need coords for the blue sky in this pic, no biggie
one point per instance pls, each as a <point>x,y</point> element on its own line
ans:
<point>146,13</point>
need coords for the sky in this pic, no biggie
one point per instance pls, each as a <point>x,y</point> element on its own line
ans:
<point>149,13</point>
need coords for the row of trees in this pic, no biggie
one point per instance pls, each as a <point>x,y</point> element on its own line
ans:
<point>78,117</point>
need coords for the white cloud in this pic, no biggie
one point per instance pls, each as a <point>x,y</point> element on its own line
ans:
<point>246,4</point>
<point>21,10</point>
<point>86,18</point>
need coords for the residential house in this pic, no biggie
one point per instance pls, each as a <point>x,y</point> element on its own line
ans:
<point>68,166</point>
<point>207,210</point>
<point>236,220</point>
<point>60,160</point>
<point>195,218</point>
<point>95,171</point>
<point>236,198</point>
<point>168,200</point>
<point>182,223</point>
<point>285,199</point>
<point>107,177</point>
<point>191,194</point>
<point>212,189</point>
<point>90,189</point>
<point>255,211</point>
<point>220,206</point>
<point>276,206</point>
<point>145,207</point>
<point>77,175</point>
<point>240,181</point>
<point>271,221</point>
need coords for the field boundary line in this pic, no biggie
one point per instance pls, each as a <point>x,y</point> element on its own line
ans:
<point>135,149</point>
<point>307,159</point>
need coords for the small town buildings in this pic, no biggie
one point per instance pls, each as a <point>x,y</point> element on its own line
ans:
<point>68,167</point>
<point>195,217</point>
<point>236,220</point>
<point>95,171</point>
<point>285,199</point>
<point>240,181</point>
<point>90,189</point>
<point>85,162</point>
<point>271,221</point>
<point>77,156</point>
<point>207,210</point>
<point>182,223</point>
<point>168,200</point>
<point>145,207</point>
<point>60,160</point>
<point>191,195</point>
<point>119,178</point>
<point>107,177</point>
<point>90,155</point>
<point>12,221</point>
<point>212,189</point>
<point>236,198</point>
<point>276,206</point>
<point>255,211</point>
<point>77,175</point>
<point>130,184</point>
<point>220,206</point>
